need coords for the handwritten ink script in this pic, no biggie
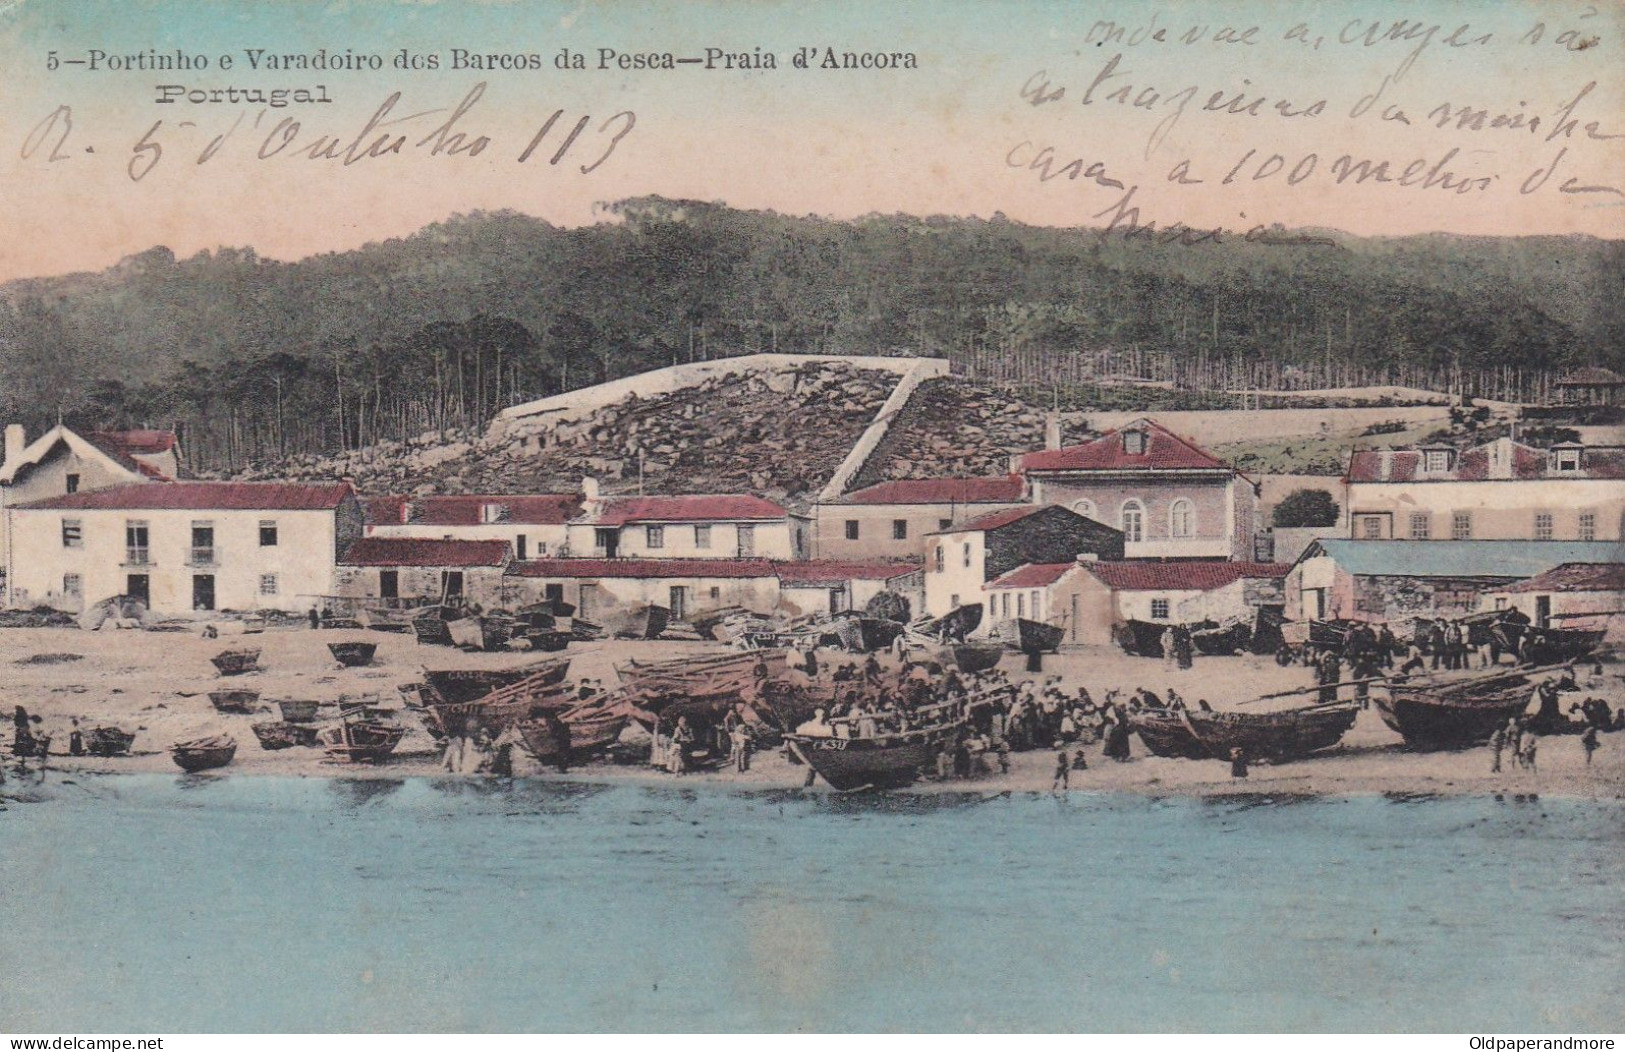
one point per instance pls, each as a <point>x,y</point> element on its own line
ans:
<point>1135,116</point>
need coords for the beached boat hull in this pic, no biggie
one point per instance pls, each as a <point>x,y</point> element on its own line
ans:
<point>1166,735</point>
<point>1557,646</point>
<point>463,685</point>
<point>281,734</point>
<point>1034,636</point>
<point>108,741</point>
<point>236,662</point>
<point>1220,642</point>
<point>235,702</point>
<point>1276,736</point>
<point>362,741</point>
<point>353,655</point>
<point>589,736</point>
<point>974,658</point>
<point>1444,719</point>
<point>203,755</point>
<point>1140,638</point>
<point>863,763</point>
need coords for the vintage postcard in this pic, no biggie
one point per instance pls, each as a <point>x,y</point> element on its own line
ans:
<point>601,516</point>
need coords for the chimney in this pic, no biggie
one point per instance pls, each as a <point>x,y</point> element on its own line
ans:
<point>1088,557</point>
<point>589,488</point>
<point>1501,459</point>
<point>16,439</point>
<point>1015,463</point>
<point>1052,430</point>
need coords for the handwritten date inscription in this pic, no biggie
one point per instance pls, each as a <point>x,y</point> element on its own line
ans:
<point>450,132</point>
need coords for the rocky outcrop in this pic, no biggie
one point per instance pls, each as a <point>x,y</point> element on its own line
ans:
<point>956,427</point>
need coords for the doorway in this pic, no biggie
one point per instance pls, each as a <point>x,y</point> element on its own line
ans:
<point>203,591</point>
<point>138,586</point>
<point>679,603</point>
<point>1543,611</point>
<point>389,584</point>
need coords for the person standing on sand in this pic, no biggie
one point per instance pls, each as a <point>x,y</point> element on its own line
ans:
<point>1531,741</point>
<point>1588,742</point>
<point>76,740</point>
<point>315,618</point>
<point>1238,763</point>
<point>1063,769</point>
<point>1498,741</point>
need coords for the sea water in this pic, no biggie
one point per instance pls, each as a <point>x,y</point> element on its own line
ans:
<point>224,903</point>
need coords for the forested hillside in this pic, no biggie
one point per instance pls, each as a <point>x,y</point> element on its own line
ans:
<point>259,359</point>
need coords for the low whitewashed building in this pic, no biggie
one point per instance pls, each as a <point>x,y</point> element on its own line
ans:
<point>1587,596</point>
<point>407,568</point>
<point>820,586</point>
<point>602,588</point>
<point>183,547</point>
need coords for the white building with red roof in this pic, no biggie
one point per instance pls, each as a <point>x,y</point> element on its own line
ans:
<point>960,561</point>
<point>690,526</point>
<point>535,525</point>
<point>183,547</point>
<point>1500,491</point>
<point>1170,498</point>
<point>601,588</point>
<point>890,520</point>
<point>1582,595</point>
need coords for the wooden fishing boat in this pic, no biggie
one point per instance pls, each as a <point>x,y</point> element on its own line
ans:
<point>977,657</point>
<point>108,741</point>
<point>886,761</point>
<point>280,734</point>
<point>1222,640</point>
<point>236,702</point>
<point>353,654</point>
<point>1286,734</point>
<point>1453,714</point>
<point>865,635</point>
<point>1033,636</point>
<point>732,674</point>
<point>1329,635</point>
<point>460,685</point>
<point>237,662</point>
<point>203,754</point>
<point>430,627</point>
<point>362,740</point>
<point>550,640</point>
<point>484,632</point>
<point>298,711</point>
<point>1165,734</point>
<point>957,623</point>
<point>1556,646</point>
<point>590,734</point>
<point>498,708</point>
<point>1140,638</point>
<point>1266,635</point>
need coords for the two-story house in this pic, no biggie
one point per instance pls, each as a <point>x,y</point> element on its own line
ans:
<point>890,520</point>
<point>183,547</point>
<point>1170,498</point>
<point>960,561</point>
<point>721,526</point>
<point>1501,491</point>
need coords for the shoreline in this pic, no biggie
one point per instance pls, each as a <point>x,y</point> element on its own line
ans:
<point>156,684</point>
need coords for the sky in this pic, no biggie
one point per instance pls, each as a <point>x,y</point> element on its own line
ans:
<point>1297,114</point>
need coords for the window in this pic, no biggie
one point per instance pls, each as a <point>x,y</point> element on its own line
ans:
<point>1133,519</point>
<point>1371,526</point>
<point>1181,519</point>
<point>940,558</point>
<point>451,583</point>
<point>493,512</point>
<point>966,552</point>
<point>1086,508</point>
<point>1159,609</point>
<point>1500,602</point>
<point>1567,460</point>
<point>136,551</point>
<point>1033,603</point>
<point>519,547</point>
<point>747,541</point>
<point>1437,460</point>
<point>73,533</point>
<point>268,534</point>
<point>389,584</point>
<point>1587,530</point>
<point>268,584</point>
<point>655,536</point>
<point>1461,526</point>
<point>1021,604</point>
<point>851,529</point>
<point>1421,524</point>
<point>607,539</point>
<point>1134,443</point>
<point>943,524</point>
<point>72,584</point>
<point>1006,604</point>
<point>702,536</point>
<point>73,483</point>
<point>953,601</point>
<point>899,529</point>
<point>716,593</point>
<point>203,553</point>
<point>1543,525</point>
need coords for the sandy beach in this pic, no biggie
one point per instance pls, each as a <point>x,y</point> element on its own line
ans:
<point>157,684</point>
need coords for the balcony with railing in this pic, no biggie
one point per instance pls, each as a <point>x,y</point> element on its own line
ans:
<point>137,556</point>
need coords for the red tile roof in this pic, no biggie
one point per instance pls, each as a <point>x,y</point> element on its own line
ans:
<point>204,496</point>
<point>412,551</point>
<point>643,568</point>
<point>1034,575</point>
<point>1180,577</point>
<point>441,509</point>
<point>834,571</point>
<point>1576,577</point>
<point>995,519</point>
<point>730,507</point>
<point>122,456</point>
<point>995,490</point>
<point>142,442</point>
<point>1164,451</point>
